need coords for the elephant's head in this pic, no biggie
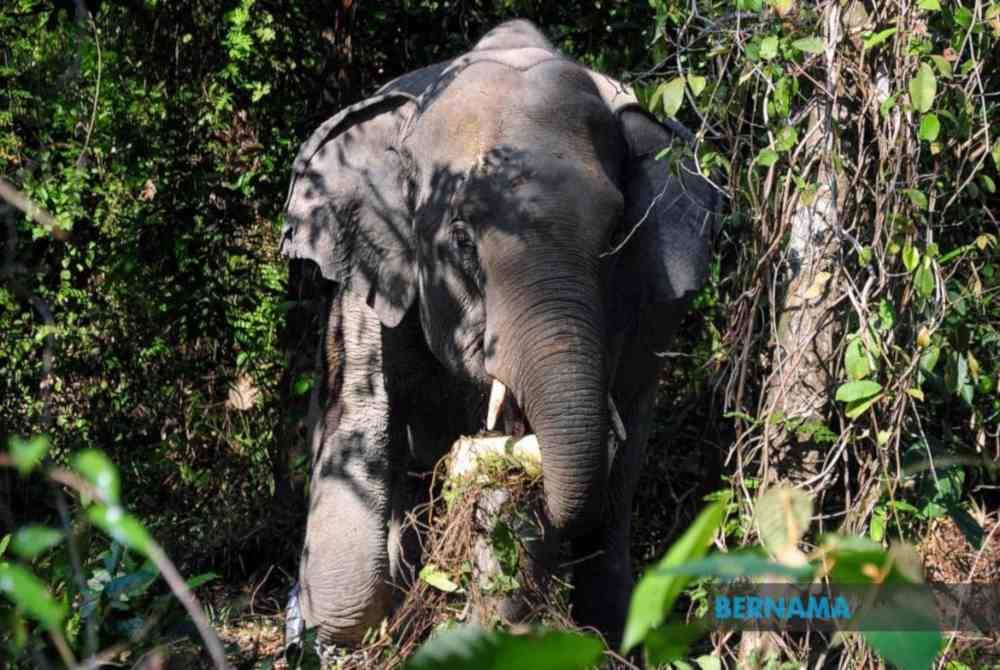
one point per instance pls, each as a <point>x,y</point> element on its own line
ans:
<point>486,193</point>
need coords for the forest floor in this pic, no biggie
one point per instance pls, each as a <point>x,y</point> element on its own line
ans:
<point>249,615</point>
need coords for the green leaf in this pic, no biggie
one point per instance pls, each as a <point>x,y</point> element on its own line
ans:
<point>995,152</point>
<point>437,578</point>
<point>886,315</point>
<point>302,385</point>
<point>201,580</point>
<point>31,541</point>
<point>924,280</point>
<point>769,47</point>
<point>929,359</point>
<point>929,127</point>
<point>696,83</point>
<point>737,564</point>
<point>673,95</point>
<point>874,39</point>
<point>911,257</point>
<point>121,526</point>
<point>786,139</point>
<point>858,390</point>
<point>767,157</point>
<point>918,199</point>
<point>923,87</point>
<point>672,641</point>
<point>30,594</point>
<point>813,45</point>
<point>783,515</point>
<point>132,584</point>
<point>472,648</point>
<point>908,650</point>
<point>943,65</point>
<point>856,360</point>
<point>102,474</point>
<point>654,595</point>
<point>27,454</point>
<point>3,544</point>
<point>987,184</point>
<point>856,408</point>
<point>929,5</point>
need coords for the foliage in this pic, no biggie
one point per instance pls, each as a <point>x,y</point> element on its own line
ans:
<point>842,559</point>
<point>84,591</point>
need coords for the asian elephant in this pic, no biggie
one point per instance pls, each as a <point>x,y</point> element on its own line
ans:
<point>498,224</point>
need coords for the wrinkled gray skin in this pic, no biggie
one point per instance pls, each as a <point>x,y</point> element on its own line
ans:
<point>462,213</point>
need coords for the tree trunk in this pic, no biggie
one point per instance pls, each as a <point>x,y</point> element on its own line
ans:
<point>806,340</point>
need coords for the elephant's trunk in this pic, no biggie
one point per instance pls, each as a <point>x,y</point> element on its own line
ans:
<point>553,361</point>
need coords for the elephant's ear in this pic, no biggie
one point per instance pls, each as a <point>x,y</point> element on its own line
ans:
<point>347,208</point>
<point>671,213</point>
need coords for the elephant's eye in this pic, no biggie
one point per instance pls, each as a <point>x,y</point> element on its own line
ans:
<point>461,237</point>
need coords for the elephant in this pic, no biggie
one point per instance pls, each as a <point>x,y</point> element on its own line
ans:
<point>500,232</point>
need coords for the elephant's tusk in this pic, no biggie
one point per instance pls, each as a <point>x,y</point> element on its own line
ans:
<point>497,393</point>
<point>616,420</point>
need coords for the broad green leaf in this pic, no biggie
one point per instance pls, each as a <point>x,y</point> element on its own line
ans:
<point>963,17</point>
<point>3,544</point>
<point>696,83</point>
<point>31,595</point>
<point>856,360</point>
<point>874,39</point>
<point>858,390</point>
<point>918,199</point>
<point>943,65</point>
<point>907,650</point>
<point>437,578</point>
<point>472,648</point>
<point>929,359</point>
<point>786,139</point>
<point>654,595</point>
<point>132,584</point>
<point>767,157</point>
<point>995,152</point>
<point>813,45</point>
<point>924,280</point>
<point>27,454</point>
<point>929,5</point>
<point>923,88</point>
<point>783,517</point>
<point>98,469</point>
<point>31,541</point>
<point>121,526</point>
<point>856,408</point>
<point>986,182</point>
<point>673,95</point>
<point>769,47</point>
<point>911,258</point>
<point>737,564</point>
<point>672,641</point>
<point>929,127</point>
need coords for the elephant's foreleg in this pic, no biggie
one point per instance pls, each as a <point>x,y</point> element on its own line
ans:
<point>345,567</point>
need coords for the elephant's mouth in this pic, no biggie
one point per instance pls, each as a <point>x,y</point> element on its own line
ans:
<point>503,406</point>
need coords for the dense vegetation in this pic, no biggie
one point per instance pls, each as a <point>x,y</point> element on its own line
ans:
<point>847,342</point>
